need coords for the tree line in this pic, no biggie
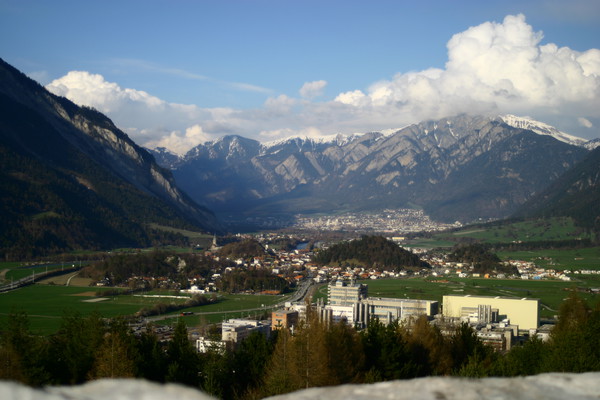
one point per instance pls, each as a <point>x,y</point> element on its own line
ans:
<point>317,354</point>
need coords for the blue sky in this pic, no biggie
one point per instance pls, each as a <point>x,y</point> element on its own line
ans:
<point>176,73</point>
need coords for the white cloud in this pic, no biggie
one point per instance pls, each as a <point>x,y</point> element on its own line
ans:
<point>147,119</point>
<point>180,144</point>
<point>586,123</point>
<point>310,90</point>
<point>491,68</point>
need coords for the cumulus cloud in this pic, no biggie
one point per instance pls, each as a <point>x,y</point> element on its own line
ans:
<point>147,119</point>
<point>495,67</point>
<point>181,143</point>
<point>310,90</point>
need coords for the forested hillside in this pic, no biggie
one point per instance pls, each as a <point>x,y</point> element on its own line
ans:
<point>373,252</point>
<point>71,180</point>
<point>575,194</point>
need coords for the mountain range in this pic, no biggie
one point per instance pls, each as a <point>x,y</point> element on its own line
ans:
<point>463,168</point>
<point>70,179</point>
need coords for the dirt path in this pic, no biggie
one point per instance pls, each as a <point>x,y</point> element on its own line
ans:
<point>3,274</point>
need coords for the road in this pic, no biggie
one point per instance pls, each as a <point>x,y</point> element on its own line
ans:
<point>30,279</point>
<point>299,295</point>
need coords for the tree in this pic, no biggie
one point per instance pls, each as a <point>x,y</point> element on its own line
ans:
<point>248,364</point>
<point>116,356</point>
<point>73,348</point>
<point>152,363</point>
<point>386,352</point>
<point>528,359</point>
<point>345,356</point>
<point>182,358</point>
<point>429,348</point>
<point>574,341</point>
<point>463,345</point>
<point>22,354</point>
<point>281,375</point>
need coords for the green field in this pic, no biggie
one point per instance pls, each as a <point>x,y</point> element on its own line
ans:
<point>18,273</point>
<point>526,231</point>
<point>46,304</point>
<point>226,308</point>
<point>550,293</point>
<point>552,229</point>
<point>559,259</point>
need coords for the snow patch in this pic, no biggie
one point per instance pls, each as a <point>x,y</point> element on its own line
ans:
<point>542,129</point>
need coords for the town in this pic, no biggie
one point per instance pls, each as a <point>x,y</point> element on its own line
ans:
<point>398,221</point>
<point>498,321</point>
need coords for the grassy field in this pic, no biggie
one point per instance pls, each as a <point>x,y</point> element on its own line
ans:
<point>46,304</point>
<point>526,231</point>
<point>226,308</point>
<point>550,293</point>
<point>22,272</point>
<point>559,259</point>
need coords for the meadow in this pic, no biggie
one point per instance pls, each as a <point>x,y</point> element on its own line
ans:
<point>46,304</point>
<point>526,231</point>
<point>559,259</point>
<point>548,230</point>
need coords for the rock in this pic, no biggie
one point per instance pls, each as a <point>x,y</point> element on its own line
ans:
<point>104,389</point>
<point>547,386</point>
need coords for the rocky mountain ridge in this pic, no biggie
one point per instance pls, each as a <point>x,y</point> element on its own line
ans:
<point>423,165</point>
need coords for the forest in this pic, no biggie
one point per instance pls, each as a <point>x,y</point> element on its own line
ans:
<point>482,259</point>
<point>373,252</point>
<point>317,354</point>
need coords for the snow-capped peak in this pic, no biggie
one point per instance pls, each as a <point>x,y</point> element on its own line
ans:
<point>542,129</point>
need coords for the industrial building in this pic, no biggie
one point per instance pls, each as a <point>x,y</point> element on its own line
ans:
<point>344,294</point>
<point>523,312</point>
<point>350,303</point>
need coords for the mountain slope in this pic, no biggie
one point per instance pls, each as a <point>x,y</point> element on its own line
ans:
<point>575,194</point>
<point>461,168</point>
<point>71,179</point>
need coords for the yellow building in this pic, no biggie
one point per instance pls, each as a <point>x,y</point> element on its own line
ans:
<point>485,309</point>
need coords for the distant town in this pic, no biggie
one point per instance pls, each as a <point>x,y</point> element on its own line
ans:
<point>400,221</point>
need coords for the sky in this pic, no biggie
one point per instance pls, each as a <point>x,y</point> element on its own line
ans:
<point>178,73</point>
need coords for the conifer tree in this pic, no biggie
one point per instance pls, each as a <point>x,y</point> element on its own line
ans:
<point>281,374</point>
<point>182,358</point>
